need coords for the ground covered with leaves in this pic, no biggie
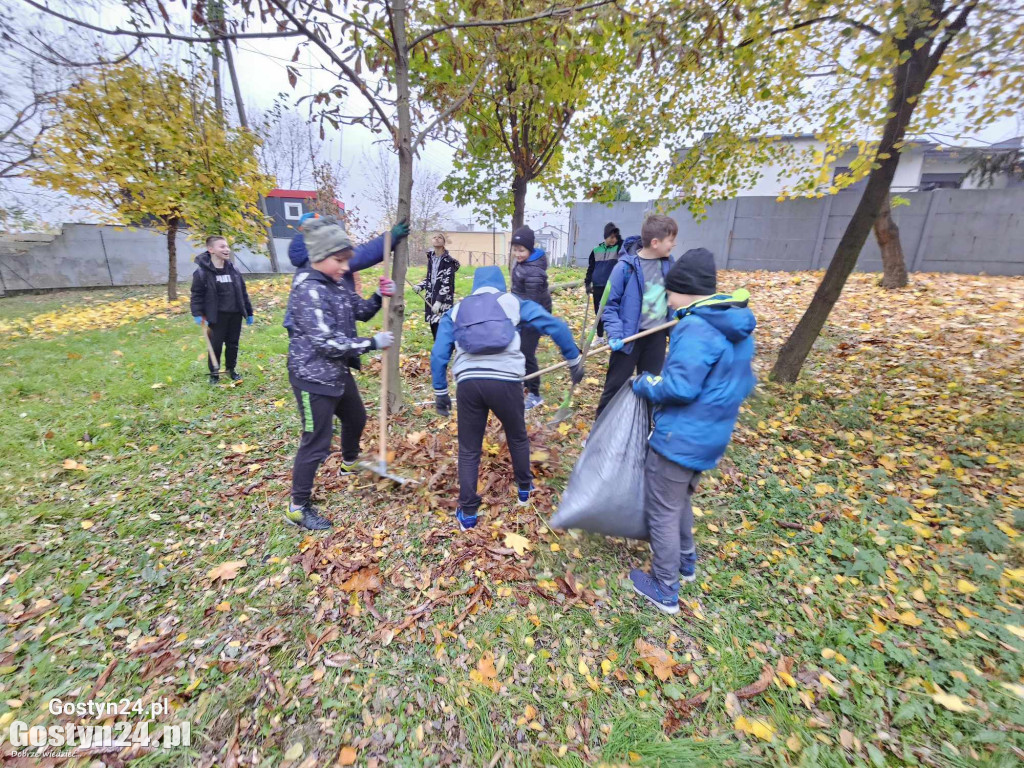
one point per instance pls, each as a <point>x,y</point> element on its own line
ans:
<point>860,576</point>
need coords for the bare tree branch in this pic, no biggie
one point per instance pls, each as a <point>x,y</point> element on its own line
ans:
<point>157,35</point>
<point>550,12</point>
<point>454,107</point>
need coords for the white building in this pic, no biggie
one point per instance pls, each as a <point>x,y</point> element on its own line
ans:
<point>923,166</point>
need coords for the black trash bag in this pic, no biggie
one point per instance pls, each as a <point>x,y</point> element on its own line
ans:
<point>606,489</point>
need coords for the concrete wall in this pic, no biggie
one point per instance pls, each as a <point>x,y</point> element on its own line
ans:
<point>947,230</point>
<point>86,255</point>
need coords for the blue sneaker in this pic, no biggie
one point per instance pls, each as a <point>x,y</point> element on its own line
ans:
<point>524,495</point>
<point>688,567</point>
<point>466,520</point>
<point>646,585</point>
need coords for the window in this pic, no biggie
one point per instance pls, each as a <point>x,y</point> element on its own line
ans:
<point>931,181</point>
<point>293,211</point>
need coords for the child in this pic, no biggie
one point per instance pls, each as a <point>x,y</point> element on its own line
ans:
<point>323,310</point>
<point>485,330</point>
<point>363,256</point>
<point>600,264</point>
<point>438,287</point>
<point>530,282</point>
<point>696,400</point>
<point>219,297</point>
<point>636,302</point>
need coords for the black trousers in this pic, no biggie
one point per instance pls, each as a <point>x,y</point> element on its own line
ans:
<point>477,398</point>
<point>598,293</point>
<point>528,340</point>
<point>433,328</point>
<point>225,333</point>
<point>647,356</point>
<point>317,413</point>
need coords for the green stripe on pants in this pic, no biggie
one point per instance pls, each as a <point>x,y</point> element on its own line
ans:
<point>307,413</point>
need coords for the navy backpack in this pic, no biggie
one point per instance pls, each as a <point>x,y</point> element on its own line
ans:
<point>481,325</point>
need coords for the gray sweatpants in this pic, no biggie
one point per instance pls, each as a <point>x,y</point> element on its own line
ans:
<point>668,488</point>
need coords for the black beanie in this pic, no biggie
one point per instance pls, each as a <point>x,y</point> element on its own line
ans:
<point>610,229</point>
<point>693,273</point>
<point>524,237</point>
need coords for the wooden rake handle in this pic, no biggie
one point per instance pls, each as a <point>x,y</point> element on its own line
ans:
<point>385,305</point>
<point>627,340</point>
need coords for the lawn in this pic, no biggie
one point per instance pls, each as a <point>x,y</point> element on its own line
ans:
<point>859,590</point>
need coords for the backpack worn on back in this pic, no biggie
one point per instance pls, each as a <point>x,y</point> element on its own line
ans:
<point>481,325</point>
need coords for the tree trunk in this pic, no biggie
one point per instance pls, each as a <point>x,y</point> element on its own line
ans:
<point>519,184</point>
<point>172,260</point>
<point>894,266</point>
<point>400,264</point>
<point>909,81</point>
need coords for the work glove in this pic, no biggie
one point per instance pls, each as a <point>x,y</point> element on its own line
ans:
<point>249,320</point>
<point>615,344</point>
<point>576,370</point>
<point>399,232</point>
<point>382,340</point>
<point>589,288</point>
<point>386,287</point>
<point>198,319</point>
<point>443,404</point>
<point>436,309</point>
<point>417,289</point>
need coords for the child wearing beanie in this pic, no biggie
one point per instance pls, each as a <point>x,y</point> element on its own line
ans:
<point>530,282</point>
<point>696,400</point>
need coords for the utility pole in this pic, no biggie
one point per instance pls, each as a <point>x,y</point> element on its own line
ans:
<point>220,30</point>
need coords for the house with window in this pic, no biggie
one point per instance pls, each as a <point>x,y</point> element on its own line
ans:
<point>924,166</point>
<point>286,206</point>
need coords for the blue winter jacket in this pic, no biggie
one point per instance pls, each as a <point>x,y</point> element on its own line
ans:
<point>706,376</point>
<point>509,364</point>
<point>626,298</point>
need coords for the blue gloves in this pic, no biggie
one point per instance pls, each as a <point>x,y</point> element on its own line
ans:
<point>399,232</point>
<point>198,319</point>
<point>249,320</point>
<point>615,344</point>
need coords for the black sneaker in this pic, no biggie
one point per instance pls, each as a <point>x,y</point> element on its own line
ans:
<point>306,517</point>
<point>234,375</point>
<point>215,379</point>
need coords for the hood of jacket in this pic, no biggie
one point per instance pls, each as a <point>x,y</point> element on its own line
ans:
<point>538,253</point>
<point>205,260</point>
<point>726,313</point>
<point>489,277</point>
<point>632,244</point>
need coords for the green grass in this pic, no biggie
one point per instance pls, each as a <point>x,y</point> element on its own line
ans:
<point>122,550</point>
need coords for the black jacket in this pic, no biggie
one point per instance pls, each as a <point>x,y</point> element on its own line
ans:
<point>530,279</point>
<point>323,344</point>
<point>204,289</point>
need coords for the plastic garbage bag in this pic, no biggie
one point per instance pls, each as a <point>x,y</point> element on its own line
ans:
<point>606,488</point>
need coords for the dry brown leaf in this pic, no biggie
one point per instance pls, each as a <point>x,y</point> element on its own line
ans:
<point>347,756</point>
<point>759,686</point>
<point>364,580</point>
<point>659,659</point>
<point>226,571</point>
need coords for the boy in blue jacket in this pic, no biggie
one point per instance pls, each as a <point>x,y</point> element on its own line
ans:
<point>636,302</point>
<point>484,331</point>
<point>696,401</point>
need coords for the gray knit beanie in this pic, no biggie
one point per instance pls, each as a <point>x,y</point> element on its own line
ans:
<point>324,237</point>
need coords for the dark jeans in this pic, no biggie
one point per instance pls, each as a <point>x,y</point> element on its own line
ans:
<point>647,356</point>
<point>225,333</point>
<point>433,328</point>
<point>668,490</point>
<point>598,293</point>
<point>477,398</point>
<point>317,413</point>
<point>528,340</point>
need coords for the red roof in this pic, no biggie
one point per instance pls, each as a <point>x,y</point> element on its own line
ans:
<point>299,194</point>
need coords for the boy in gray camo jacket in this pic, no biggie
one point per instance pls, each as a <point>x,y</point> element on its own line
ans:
<point>322,350</point>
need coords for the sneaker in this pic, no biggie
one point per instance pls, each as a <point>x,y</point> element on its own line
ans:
<point>306,516</point>
<point>234,375</point>
<point>688,567</point>
<point>646,585</point>
<point>215,379</point>
<point>524,495</point>
<point>598,341</point>
<point>532,401</point>
<point>348,469</point>
<point>466,520</point>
